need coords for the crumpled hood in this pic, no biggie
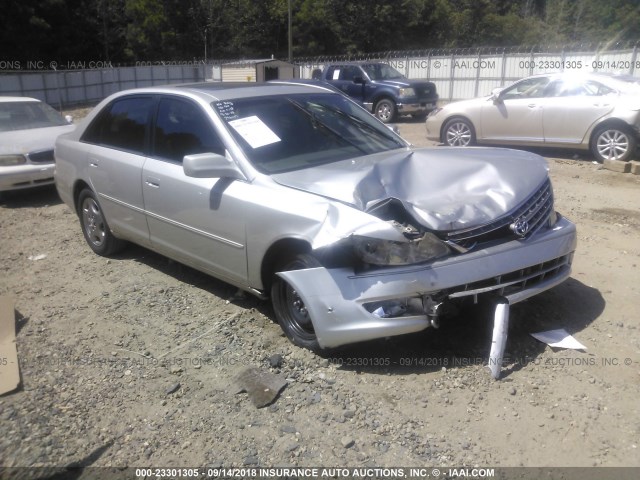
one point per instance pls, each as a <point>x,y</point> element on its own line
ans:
<point>31,140</point>
<point>443,188</point>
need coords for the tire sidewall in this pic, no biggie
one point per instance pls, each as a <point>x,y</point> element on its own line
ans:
<point>280,307</point>
<point>110,243</point>
<point>626,131</point>
<point>392,109</point>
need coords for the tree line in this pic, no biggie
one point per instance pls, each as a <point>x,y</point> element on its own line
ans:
<point>126,31</point>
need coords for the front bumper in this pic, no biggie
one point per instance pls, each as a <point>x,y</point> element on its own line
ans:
<point>415,107</point>
<point>25,176</point>
<point>336,298</point>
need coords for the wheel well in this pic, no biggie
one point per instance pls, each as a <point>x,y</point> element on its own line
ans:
<point>455,117</point>
<point>77,188</point>
<point>276,254</point>
<point>383,97</point>
<point>611,122</point>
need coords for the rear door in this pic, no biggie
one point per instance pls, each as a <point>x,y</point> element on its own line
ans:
<point>116,158</point>
<point>573,105</point>
<point>343,76</point>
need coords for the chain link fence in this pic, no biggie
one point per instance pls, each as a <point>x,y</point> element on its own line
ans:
<point>457,73</point>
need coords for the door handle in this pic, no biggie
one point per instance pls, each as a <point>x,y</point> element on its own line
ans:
<point>532,105</point>
<point>152,182</point>
<point>94,162</point>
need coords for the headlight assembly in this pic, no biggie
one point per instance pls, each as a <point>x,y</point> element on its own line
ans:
<point>386,252</point>
<point>407,92</point>
<point>11,160</point>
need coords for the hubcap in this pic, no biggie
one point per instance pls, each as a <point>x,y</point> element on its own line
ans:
<point>93,222</point>
<point>384,112</point>
<point>458,135</point>
<point>612,144</point>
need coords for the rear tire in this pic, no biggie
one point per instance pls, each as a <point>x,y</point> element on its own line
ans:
<point>614,143</point>
<point>94,225</point>
<point>291,313</point>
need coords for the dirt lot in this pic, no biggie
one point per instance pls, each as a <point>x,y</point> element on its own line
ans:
<point>102,342</point>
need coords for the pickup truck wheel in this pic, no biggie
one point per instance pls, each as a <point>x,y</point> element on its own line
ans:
<point>385,110</point>
<point>290,310</point>
<point>94,226</point>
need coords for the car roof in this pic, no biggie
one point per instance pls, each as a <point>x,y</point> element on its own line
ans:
<point>18,99</point>
<point>211,91</point>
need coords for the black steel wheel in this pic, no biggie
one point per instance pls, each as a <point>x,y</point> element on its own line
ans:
<point>290,310</point>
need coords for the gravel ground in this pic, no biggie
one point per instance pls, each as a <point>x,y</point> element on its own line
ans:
<point>133,360</point>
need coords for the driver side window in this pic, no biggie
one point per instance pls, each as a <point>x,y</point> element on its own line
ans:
<point>181,128</point>
<point>530,88</point>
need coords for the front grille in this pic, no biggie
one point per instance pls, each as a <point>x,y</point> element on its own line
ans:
<point>424,92</point>
<point>535,211</point>
<point>45,156</point>
<point>513,282</point>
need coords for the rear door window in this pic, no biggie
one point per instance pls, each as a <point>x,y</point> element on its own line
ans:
<point>122,125</point>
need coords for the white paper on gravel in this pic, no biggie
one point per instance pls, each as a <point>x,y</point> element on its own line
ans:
<point>559,338</point>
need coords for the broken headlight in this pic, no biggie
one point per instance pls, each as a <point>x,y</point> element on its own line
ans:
<point>387,252</point>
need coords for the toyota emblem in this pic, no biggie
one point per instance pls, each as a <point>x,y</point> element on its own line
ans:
<point>520,227</point>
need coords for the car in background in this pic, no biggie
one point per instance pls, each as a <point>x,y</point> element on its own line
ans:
<point>593,111</point>
<point>295,192</point>
<point>28,130</point>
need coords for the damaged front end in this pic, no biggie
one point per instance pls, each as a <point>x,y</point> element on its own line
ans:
<point>417,254</point>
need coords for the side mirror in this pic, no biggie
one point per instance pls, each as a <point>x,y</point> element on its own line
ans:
<point>69,119</point>
<point>358,80</point>
<point>210,165</point>
<point>495,95</point>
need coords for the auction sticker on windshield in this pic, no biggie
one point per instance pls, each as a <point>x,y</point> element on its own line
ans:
<point>254,131</point>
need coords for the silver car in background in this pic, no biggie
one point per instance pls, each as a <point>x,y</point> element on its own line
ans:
<point>297,193</point>
<point>28,130</point>
<point>599,112</point>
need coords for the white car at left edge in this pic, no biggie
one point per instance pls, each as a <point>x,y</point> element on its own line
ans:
<point>28,131</point>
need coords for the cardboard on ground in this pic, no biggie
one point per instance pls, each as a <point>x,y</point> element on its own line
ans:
<point>9,371</point>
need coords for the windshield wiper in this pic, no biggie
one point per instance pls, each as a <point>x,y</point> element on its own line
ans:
<point>317,123</point>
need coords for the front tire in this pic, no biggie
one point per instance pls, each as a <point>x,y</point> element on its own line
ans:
<point>290,310</point>
<point>94,225</point>
<point>385,110</point>
<point>458,132</point>
<point>614,143</point>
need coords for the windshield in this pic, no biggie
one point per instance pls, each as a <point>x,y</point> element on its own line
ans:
<point>382,71</point>
<point>28,115</point>
<point>281,133</point>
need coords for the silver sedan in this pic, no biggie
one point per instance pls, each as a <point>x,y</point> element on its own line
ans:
<point>28,130</point>
<point>592,111</point>
<point>297,193</point>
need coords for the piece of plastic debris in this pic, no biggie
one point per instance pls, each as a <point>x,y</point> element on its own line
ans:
<point>558,338</point>
<point>499,337</point>
<point>37,257</point>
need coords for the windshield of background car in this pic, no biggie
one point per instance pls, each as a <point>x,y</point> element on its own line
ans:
<point>281,133</point>
<point>381,71</point>
<point>27,115</point>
